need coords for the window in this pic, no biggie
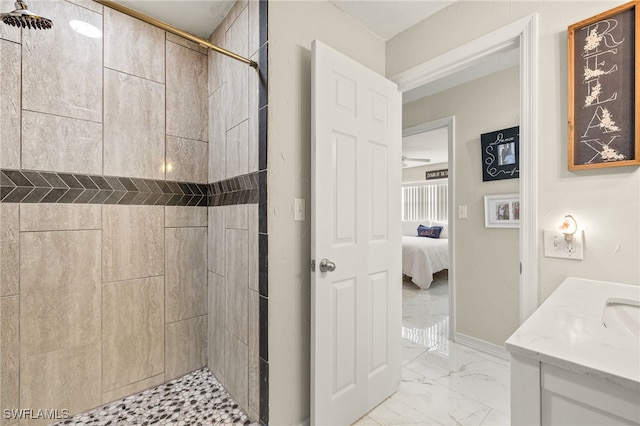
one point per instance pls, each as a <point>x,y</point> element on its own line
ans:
<point>427,201</point>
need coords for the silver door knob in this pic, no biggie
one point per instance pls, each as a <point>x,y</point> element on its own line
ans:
<point>327,266</point>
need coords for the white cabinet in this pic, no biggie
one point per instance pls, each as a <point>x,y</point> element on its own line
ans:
<point>544,394</point>
<point>568,368</point>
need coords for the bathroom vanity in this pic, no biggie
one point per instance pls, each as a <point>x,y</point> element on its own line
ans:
<point>576,359</point>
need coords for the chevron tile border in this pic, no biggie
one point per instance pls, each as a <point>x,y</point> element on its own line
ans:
<point>22,186</point>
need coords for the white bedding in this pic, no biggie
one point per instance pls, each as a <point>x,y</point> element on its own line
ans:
<point>422,257</point>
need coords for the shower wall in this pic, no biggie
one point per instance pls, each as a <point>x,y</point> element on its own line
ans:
<point>103,279</point>
<point>237,101</point>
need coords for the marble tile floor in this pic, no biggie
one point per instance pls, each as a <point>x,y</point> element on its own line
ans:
<point>196,399</point>
<point>443,383</point>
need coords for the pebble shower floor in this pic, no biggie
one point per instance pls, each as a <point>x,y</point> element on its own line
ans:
<point>192,400</point>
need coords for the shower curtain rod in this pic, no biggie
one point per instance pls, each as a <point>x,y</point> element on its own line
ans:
<point>163,25</point>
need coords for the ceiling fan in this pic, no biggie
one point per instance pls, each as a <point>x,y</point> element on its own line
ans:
<point>419,160</point>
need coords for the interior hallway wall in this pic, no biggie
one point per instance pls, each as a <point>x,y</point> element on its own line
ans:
<point>604,201</point>
<point>104,251</point>
<point>292,28</point>
<point>418,174</point>
<point>487,259</point>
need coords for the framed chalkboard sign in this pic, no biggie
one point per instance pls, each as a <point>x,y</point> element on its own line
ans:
<point>500,154</point>
<point>604,124</point>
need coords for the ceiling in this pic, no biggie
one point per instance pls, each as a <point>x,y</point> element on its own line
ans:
<point>432,145</point>
<point>199,18</point>
<point>385,19</point>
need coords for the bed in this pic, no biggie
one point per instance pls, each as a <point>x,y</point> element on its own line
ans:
<point>422,256</point>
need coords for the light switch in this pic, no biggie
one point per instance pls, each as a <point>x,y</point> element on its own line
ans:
<point>299,210</point>
<point>462,212</point>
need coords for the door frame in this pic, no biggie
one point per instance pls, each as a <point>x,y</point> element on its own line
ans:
<point>522,33</point>
<point>450,124</point>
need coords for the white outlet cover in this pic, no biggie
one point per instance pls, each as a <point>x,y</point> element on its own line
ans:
<point>555,245</point>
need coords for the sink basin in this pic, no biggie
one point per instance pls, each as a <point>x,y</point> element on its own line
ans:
<point>622,315</point>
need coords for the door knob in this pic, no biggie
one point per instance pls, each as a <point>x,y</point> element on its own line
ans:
<point>327,266</point>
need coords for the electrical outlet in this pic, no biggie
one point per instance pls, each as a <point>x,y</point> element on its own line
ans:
<point>555,245</point>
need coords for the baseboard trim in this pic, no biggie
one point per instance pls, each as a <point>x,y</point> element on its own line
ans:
<point>482,346</point>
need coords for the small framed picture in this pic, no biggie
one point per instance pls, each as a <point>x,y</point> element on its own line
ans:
<point>502,211</point>
<point>500,153</point>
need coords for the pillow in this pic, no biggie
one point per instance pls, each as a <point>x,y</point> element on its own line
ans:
<point>409,227</point>
<point>445,228</point>
<point>429,231</point>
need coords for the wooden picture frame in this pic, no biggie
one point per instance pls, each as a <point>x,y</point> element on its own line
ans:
<point>502,211</point>
<point>501,154</point>
<point>603,98</point>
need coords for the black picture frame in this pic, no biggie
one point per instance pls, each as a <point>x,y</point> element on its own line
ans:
<point>501,154</point>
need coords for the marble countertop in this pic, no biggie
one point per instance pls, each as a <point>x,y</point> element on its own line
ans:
<point>567,331</point>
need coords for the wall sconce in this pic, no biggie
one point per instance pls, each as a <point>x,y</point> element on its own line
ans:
<point>568,227</point>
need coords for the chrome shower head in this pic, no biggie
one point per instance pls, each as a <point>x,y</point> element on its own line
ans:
<point>23,17</point>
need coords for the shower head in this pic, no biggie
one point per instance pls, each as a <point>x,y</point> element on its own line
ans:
<point>23,17</point>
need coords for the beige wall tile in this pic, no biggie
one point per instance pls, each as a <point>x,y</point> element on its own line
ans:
<point>187,103</point>
<point>237,40</point>
<point>9,32</point>
<point>217,329</point>
<point>254,351</point>
<point>179,216</point>
<point>134,388</point>
<point>185,273</point>
<point>187,43</point>
<point>64,379</point>
<point>254,26</point>
<point>61,69</point>
<point>59,217</point>
<point>133,46</point>
<point>185,346</point>
<point>216,237</point>
<point>237,216</point>
<point>254,247</point>
<point>10,101</point>
<point>216,61</point>
<point>132,332</point>
<point>132,242</point>
<point>236,10</point>
<point>217,136</point>
<point>237,283</point>
<point>9,249</point>
<point>186,160</point>
<point>237,374</point>
<point>134,126</point>
<point>9,354</point>
<point>50,142</point>
<point>89,4</point>
<point>59,290</point>
<point>237,150</point>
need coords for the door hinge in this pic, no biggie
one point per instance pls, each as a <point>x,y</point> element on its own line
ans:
<point>313,265</point>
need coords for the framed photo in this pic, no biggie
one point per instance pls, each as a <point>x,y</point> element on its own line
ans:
<point>604,101</point>
<point>502,211</point>
<point>500,154</point>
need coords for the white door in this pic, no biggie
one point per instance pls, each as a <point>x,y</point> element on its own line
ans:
<point>356,309</point>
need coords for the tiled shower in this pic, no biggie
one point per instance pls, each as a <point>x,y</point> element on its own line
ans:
<point>132,221</point>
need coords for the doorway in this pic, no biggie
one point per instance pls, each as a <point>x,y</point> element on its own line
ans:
<point>522,35</point>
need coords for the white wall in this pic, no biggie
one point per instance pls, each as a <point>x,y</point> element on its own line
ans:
<point>487,259</point>
<point>292,28</point>
<point>417,174</point>
<point>606,201</point>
